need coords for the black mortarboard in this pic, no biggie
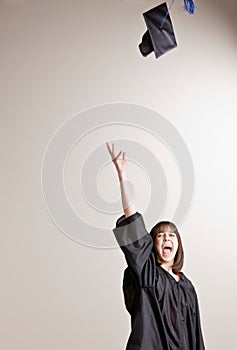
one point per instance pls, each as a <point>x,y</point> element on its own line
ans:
<point>160,36</point>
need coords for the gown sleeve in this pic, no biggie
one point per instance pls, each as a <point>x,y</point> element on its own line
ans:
<point>134,240</point>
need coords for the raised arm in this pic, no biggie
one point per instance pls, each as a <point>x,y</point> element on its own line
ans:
<point>130,232</point>
<point>120,163</point>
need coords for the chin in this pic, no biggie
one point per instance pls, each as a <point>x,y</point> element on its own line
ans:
<point>162,260</point>
<point>167,260</point>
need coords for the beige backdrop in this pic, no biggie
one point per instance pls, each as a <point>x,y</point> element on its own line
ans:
<point>59,57</point>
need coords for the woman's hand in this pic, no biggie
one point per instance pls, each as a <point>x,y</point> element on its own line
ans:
<point>119,162</point>
<point>121,167</point>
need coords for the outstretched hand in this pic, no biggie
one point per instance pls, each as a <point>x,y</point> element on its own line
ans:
<point>119,162</point>
<point>121,167</point>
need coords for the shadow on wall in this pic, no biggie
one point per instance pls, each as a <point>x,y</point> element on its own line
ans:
<point>226,9</point>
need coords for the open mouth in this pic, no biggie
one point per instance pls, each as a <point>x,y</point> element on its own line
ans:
<point>167,250</point>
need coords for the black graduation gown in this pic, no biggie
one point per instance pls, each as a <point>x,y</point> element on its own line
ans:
<point>164,312</point>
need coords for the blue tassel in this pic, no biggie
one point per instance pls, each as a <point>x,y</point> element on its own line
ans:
<point>189,6</point>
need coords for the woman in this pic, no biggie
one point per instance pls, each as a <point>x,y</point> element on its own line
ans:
<point>161,300</point>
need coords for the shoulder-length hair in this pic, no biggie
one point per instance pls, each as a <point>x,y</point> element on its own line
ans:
<point>163,226</point>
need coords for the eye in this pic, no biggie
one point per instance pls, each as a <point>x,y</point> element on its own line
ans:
<point>172,235</point>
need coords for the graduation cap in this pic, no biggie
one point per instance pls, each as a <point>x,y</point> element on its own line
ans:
<point>159,36</point>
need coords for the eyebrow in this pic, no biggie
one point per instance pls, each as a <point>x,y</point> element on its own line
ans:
<point>166,231</point>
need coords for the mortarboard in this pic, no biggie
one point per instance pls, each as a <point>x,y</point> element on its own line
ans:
<point>160,36</point>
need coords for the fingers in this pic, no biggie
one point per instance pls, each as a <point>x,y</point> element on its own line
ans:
<point>111,151</point>
<point>116,157</point>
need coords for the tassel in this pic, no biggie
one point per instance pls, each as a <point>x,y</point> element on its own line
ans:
<point>164,19</point>
<point>189,6</point>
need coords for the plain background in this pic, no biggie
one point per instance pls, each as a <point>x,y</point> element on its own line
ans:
<point>59,57</point>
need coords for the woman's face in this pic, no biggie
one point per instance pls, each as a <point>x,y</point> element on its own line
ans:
<point>166,245</point>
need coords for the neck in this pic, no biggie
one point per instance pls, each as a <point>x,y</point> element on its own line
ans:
<point>167,266</point>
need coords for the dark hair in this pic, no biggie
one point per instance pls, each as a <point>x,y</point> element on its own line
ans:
<point>179,256</point>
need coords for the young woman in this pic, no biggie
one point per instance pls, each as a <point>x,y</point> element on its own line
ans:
<point>161,300</point>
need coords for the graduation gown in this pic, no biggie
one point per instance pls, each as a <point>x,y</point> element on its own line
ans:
<point>164,312</point>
